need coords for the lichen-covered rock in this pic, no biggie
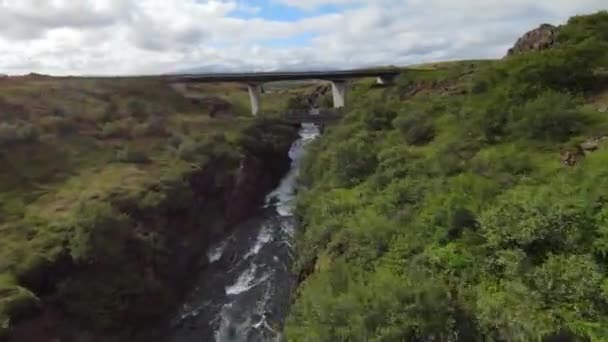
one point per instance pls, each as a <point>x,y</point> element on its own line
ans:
<point>541,38</point>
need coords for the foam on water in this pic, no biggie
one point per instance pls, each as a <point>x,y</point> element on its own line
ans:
<point>215,253</point>
<point>245,282</point>
<point>264,237</point>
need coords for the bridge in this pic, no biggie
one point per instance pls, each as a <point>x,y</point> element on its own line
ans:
<point>255,81</point>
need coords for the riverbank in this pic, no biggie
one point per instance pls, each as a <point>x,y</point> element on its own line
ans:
<point>466,203</point>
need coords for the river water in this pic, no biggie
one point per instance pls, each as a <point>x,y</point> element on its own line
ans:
<point>244,293</point>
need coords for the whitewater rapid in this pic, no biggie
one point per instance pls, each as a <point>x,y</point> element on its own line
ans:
<point>244,294</point>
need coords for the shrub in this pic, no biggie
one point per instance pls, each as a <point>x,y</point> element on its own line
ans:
<point>110,113</point>
<point>116,129</point>
<point>18,133</point>
<point>60,112</point>
<point>417,129</point>
<point>297,102</point>
<point>127,155</point>
<point>326,101</point>
<point>552,116</point>
<point>354,161</point>
<point>153,126</point>
<point>582,27</point>
<point>532,219</point>
<point>18,303</point>
<point>490,119</point>
<point>570,279</point>
<point>137,109</point>
<point>379,118</point>
<point>59,125</point>
<point>480,87</point>
<point>100,234</point>
<point>508,161</point>
<point>189,150</point>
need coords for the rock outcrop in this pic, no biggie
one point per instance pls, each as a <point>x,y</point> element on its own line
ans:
<point>574,155</point>
<point>541,38</point>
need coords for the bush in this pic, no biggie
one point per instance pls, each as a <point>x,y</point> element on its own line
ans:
<point>490,119</point>
<point>137,109</point>
<point>297,103</point>
<point>532,219</point>
<point>379,118</point>
<point>570,279</point>
<point>116,129</point>
<point>127,155</point>
<point>175,140</point>
<point>583,27</point>
<point>17,303</point>
<point>110,113</point>
<point>552,116</point>
<point>153,126</point>
<point>190,150</point>
<point>20,132</point>
<point>354,161</point>
<point>100,234</point>
<point>59,125</point>
<point>416,128</point>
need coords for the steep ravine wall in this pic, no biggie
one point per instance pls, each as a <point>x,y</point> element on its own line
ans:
<point>130,299</point>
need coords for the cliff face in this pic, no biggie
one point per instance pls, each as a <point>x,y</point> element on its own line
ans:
<point>541,38</point>
<point>150,264</point>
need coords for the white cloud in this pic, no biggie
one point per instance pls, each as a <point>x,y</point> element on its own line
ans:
<point>155,36</point>
<point>312,4</point>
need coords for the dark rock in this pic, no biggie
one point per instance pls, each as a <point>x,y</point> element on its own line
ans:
<point>572,156</point>
<point>541,38</point>
<point>250,183</point>
<point>306,270</point>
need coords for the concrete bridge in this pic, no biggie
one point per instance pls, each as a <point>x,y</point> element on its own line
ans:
<point>254,81</point>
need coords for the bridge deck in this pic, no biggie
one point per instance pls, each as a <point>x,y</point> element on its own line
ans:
<point>283,76</point>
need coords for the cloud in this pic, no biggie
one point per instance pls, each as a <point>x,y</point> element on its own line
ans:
<point>156,36</point>
<point>312,4</point>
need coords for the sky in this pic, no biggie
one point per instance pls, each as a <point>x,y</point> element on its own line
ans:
<point>126,37</point>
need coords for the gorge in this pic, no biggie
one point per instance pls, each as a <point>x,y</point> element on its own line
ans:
<point>244,292</point>
<point>466,202</point>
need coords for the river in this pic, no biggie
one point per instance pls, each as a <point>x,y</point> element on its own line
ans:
<point>243,295</point>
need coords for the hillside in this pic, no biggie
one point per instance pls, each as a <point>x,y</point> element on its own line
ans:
<point>468,203</point>
<point>110,190</point>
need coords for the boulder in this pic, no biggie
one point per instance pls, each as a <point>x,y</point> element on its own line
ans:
<point>541,38</point>
<point>592,144</point>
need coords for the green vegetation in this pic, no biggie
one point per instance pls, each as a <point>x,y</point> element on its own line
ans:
<point>96,192</point>
<point>440,209</point>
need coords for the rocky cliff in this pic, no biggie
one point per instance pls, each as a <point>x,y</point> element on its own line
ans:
<point>541,38</point>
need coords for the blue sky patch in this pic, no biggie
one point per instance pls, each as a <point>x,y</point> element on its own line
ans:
<point>273,10</point>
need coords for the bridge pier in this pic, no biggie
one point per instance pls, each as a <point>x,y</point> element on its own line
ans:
<point>255,91</point>
<point>386,79</point>
<point>338,89</point>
